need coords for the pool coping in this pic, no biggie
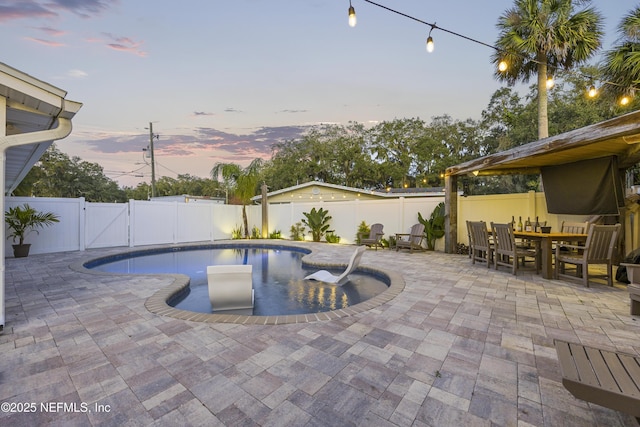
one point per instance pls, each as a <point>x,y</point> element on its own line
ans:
<point>157,303</point>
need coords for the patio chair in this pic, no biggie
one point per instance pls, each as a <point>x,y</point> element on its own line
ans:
<point>506,252</point>
<point>574,227</point>
<point>374,238</point>
<point>325,276</point>
<point>412,240</point>
<point>230,287</point>
<point>598,249</point>
<point>480,246</point>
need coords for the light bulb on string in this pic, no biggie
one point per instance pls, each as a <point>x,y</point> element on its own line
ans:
<point>550,82</point>
<point>593,92</point>
<point>502,66</point>
<point>625,100</point>
<point>352,15</point>
<point>430,45</point>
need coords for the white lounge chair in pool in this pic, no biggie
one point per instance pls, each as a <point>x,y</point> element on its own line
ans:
<point>230,287</point>
<point>325,276</point>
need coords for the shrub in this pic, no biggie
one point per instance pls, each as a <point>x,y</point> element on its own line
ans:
<point>332,237</point>
<point>275,235</point>
<point>297,231</point>
<point>363,229</point>
<point>434,226</point>
<point>318,222</point>
<point>236,232</point>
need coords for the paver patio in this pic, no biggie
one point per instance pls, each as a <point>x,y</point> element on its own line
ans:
<point>459,345</point>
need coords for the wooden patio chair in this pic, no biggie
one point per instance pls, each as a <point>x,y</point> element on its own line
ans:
<point>604,377</point>
<point>374,238</point>
<point>480,247</point>
<point>412,240</point>
<point>506,252</point>
<point>574,227</point>
<point>598,249</point>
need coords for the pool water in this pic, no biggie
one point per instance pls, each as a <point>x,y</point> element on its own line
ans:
<point>277,279</point>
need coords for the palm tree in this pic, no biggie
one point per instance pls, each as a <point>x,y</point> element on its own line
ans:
<point>622,63</point>
<point>542,36</point>
<point>241,182</point>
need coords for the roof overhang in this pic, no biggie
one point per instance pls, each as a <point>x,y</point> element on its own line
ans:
<point>36,114</point>
<point>615,137</point>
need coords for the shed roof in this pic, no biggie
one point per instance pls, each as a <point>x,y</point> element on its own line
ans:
<point>393,193</point>
<point>619,136</point>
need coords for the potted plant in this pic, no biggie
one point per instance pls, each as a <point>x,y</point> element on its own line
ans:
<point>21,221</point>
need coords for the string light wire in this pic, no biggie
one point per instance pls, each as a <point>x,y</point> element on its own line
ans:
<point>501,65</point>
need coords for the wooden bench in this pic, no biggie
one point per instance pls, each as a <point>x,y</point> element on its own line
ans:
<point>607,378</point>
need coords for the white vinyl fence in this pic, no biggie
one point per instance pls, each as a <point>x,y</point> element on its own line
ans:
<point>86,225</point>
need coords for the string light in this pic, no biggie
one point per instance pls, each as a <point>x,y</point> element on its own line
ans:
<point>430,45</point>
<point>502,65</point>
<point>550,82</point>
<point>352,15</point>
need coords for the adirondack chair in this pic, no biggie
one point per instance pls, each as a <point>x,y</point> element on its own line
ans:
<point>598,249</point>
<point>374,238</point>
<point>480,247</point>
<point>506,252</point>
<point>412,240</point>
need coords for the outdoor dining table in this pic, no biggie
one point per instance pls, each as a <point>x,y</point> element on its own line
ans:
<point>544,242</point>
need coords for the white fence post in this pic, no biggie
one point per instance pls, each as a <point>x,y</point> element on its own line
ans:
<point>132,222</point>
<point>82,215</point>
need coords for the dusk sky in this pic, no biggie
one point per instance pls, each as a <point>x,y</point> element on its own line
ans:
<point>223,81</point>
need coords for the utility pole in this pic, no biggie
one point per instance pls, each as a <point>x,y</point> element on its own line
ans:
<point>153,160</point>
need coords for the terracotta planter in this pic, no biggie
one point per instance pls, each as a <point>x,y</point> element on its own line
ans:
<point>21,251</point>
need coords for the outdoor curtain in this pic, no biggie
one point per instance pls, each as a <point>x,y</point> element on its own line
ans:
<point>587,187</point>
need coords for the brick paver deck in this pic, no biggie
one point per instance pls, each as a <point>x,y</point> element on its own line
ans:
<point>458,345</point>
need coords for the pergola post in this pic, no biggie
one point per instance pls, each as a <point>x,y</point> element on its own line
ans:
<point>450,214</point>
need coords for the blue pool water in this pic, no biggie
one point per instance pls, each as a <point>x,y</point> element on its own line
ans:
<point>277,279</point>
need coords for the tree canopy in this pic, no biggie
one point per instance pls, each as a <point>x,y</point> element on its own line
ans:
<point>411,152</point>
<point>541,37</point>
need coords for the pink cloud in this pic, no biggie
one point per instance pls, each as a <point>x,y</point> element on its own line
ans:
<point>45,42</point>
<point>125,44</point>
<point>53,32</point>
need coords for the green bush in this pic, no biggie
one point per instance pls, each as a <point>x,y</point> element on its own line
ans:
<point>236,232</point>
<point>363,229</point>
<point>255,233</point>
<point>318,222</point>
<point>297,231</point>
<point>434,226</point>
<point>331,237</point>
<point>275,235</point>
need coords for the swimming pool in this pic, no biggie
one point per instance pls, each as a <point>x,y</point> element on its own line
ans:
<point>277,277</point>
